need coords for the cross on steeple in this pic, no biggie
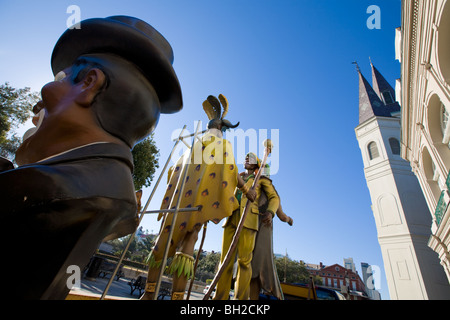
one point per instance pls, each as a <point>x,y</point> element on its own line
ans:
<point>357,66</point>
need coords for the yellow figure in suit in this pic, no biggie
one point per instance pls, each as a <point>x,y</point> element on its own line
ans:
<point>246,242</point>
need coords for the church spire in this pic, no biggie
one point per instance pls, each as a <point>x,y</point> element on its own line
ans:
<point>370,104</point>
<point>378,100</point>
<point>382,88</point>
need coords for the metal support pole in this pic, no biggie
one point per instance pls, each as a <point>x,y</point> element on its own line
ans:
<point>177,208</point>
<point>190,135</point>
<point>142,216</point>
<point>172,210</point>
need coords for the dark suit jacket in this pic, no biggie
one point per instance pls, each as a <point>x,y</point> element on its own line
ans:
<point>55,213</point>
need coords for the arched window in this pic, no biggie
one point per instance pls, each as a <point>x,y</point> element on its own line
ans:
<point>436,176</point>
<point>373,150</point>
<point>395,145</point>
<point>431,174</point>
<point>438,114</point>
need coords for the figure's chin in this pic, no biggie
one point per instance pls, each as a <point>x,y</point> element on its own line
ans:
<point>30,132</point>
<point>26,153</point>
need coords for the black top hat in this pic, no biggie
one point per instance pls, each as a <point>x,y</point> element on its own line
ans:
<point>132,39</point>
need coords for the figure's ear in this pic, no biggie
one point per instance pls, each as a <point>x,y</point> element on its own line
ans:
<point>90,86</point>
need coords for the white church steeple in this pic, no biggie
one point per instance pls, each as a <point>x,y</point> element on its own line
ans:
<point>401,215</point>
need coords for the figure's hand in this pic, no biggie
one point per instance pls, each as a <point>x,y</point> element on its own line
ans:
<point>251,195</point>
<point>290,221</point>
<point>267,219</point>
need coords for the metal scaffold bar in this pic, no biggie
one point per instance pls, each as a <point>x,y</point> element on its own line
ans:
<point>172,210</point>
<point>143,212</point>
<point>186,164</point>
<point>189,135</point>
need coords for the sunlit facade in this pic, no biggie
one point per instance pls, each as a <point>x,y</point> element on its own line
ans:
<point>423,48</point>
<point>401,214</point>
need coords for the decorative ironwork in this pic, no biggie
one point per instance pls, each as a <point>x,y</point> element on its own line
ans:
<point>447,182</point>
<point>440,208</point>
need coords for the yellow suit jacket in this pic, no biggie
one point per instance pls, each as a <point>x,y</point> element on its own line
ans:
<point>251,221</point>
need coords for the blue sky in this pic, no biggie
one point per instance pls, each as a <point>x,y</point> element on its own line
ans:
<point>284,66</point>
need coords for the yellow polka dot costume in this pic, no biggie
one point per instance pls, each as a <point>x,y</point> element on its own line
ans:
<point>211,181</point>
<point>210,184</point>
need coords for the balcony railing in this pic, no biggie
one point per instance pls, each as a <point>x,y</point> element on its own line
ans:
<point>447,182</point>
<point>442,203</point>
<point>440,208</point>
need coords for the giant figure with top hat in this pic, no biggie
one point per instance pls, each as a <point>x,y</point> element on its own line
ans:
<point>73,188</point>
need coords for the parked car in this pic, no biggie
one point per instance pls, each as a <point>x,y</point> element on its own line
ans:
<point>328,294</point>
<point>299,291</point>
<point>207,288</point>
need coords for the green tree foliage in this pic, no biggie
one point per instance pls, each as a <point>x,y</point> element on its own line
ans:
<point>145,157</point>
<point>208,262</point>
<point>15,110</point>
<point>290,271</point>
<point>120,244</point>
<point>144,248</point>
<point>137,251</point>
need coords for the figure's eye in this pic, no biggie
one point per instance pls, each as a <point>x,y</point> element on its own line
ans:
<point>60,75</point>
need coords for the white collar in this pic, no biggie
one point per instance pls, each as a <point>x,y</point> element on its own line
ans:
<point>56,155</point>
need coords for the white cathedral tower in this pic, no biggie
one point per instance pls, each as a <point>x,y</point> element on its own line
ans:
<point>401,214</point>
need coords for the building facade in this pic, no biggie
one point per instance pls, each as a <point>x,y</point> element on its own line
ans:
<point>401,214</point>
<point>339,278</point>
<point>349,264</point>
<point>423,49</point>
